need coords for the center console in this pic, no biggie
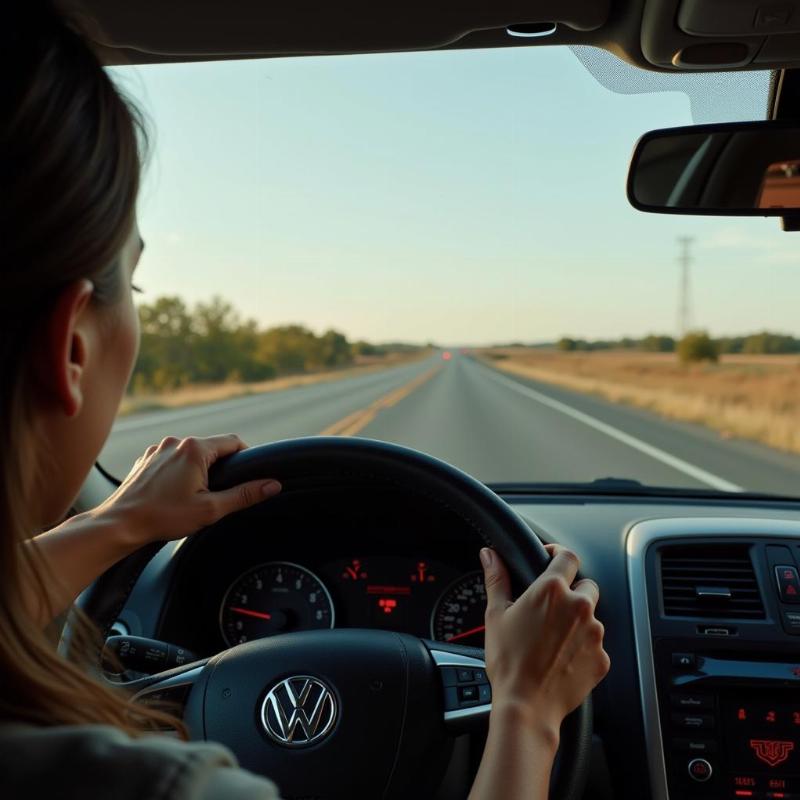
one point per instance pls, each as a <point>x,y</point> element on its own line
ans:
<point>716,606</point>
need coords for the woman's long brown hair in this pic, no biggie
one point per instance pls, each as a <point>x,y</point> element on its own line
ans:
<point>70,157</point>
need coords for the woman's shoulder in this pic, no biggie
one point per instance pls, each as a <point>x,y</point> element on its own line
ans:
<point>93,761</point>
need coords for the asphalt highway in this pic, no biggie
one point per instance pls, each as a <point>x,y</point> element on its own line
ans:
<point>498,427</point>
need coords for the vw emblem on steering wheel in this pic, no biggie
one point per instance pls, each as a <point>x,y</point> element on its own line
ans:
<point>299,711</point>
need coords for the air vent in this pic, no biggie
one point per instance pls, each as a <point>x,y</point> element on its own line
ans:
<point>710,581</point>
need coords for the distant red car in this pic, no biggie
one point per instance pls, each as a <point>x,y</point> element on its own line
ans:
<point>447,355</point>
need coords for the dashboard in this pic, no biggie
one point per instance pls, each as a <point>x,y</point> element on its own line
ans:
<point>700,704</point>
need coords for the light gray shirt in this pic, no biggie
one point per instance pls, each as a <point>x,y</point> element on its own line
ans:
<point>90,762</point>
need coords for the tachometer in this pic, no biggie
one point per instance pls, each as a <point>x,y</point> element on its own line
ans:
<point>458,614</point>
<point>278,597</point>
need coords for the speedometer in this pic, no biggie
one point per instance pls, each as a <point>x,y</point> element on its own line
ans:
<point>278,597</point>
<point>459,612</point>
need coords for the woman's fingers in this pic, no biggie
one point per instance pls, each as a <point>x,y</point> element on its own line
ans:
<point>211,448</point>
<point>564,563</point>
<point>243,496</point>
<point>588,588</point>
<point>224,444</point>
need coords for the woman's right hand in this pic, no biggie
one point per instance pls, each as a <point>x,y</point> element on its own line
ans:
<point>544,651</point>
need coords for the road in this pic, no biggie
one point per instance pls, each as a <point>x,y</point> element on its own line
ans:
<point>495,426</point>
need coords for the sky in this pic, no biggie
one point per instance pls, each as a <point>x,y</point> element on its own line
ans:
<point>462,197</point>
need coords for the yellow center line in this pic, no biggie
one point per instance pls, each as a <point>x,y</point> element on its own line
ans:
<point>358,420</point>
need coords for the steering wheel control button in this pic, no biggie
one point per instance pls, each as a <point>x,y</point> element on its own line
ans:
<point>699,770</point>
<point>449,676</point>
<point>299,711</point>
<point>788,583</point>
<point>684,661</point>
<point>697,721</point>
<point>465,687</point>
<point>692,702</point>
<point>468,694</point>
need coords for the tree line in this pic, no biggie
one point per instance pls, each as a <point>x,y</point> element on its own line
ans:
<point>210,343</point>
<point>695,346</point>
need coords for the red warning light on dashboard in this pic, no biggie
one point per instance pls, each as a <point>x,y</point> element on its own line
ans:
<point>741,714</point>
<point>354,571</point>
<point>770,717</point>
<point>388,604</point>
<point>771,751</point>
<point>422,573</point>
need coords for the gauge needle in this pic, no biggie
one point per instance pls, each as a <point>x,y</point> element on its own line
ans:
<point>464,634</point>
<point>249,613</point>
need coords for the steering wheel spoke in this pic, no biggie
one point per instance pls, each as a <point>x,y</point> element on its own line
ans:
<point>172,690</point>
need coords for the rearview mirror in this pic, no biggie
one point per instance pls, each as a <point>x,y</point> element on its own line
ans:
<point>736,169</point>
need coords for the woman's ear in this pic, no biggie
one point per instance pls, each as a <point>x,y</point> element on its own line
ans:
<point>65,347</point>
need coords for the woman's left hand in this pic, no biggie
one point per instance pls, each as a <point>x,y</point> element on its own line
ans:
<point>166,494</point>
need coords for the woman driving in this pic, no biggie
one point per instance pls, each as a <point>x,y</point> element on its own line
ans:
<point>71,150</point>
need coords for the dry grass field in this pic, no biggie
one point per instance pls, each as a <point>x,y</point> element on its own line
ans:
<point>197,394</point>
<point>752,397</point>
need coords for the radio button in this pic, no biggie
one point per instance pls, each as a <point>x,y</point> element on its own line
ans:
<point>696,721</point>
<point>788,583</point>
<point>684,660</point>
<point>692,702</point>
<point>706,746</point>
<point>791,622</point>
<point>699,770</point>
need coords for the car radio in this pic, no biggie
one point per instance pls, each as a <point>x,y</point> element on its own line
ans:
<point>730,726</point>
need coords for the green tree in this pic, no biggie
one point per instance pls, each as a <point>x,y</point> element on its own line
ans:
<point>769,343</point>
<point>290,348</point>
<point>334,349</point>
<point>165,350</point>
<point>567,344</point>
<point>217,353</point>
<point>658,344</point>
<point>697,346</point>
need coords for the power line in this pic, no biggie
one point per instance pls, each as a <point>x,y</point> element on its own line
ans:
<point>684,300</point>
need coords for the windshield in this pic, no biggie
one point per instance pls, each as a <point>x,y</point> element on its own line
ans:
<point>435,249</point>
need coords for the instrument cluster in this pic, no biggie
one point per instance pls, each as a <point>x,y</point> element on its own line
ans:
<point>421,596</point>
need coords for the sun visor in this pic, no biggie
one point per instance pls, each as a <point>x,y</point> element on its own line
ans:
<point>197,28</point>
<point>698,35</point>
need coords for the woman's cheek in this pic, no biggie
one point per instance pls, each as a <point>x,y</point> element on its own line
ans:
<point>135,336</point>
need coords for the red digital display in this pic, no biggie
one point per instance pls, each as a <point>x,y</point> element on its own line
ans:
<point>771,751</point>
<point>395,593</point>
<point>762,740</point>
<point>387,604</point>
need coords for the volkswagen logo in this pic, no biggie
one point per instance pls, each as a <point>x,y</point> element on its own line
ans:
<point>299,711</point>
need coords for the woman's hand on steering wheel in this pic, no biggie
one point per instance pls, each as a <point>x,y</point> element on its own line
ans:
<point>544,651</point>
<point>166,494</point>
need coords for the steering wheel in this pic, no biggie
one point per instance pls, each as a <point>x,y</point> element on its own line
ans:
<point>350,713</point>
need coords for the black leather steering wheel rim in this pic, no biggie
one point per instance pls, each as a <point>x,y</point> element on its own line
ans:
<point>297,461</point>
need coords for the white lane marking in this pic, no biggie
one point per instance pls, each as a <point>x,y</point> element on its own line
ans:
<point>637,444</point>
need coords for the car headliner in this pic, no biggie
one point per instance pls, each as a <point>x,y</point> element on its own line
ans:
<point>151,31</point>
